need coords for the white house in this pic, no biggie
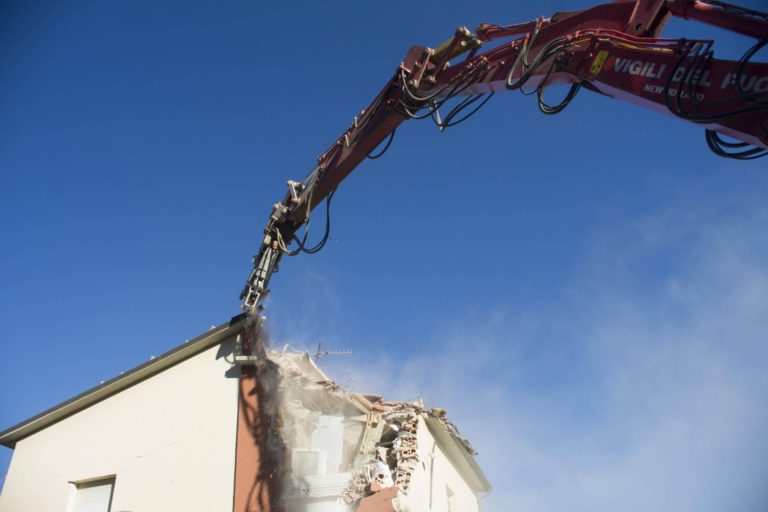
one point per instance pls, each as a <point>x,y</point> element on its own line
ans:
<point>219,423</point>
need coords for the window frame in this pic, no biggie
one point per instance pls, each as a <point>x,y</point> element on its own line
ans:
<point>76,485</point>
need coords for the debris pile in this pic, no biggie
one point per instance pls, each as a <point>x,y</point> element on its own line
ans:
<point>345,449</point>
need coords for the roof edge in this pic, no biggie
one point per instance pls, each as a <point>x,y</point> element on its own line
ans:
<point>182,352</point>
<point>464,461</point>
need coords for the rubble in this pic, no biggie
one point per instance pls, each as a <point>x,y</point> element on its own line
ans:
<point>351,451</point>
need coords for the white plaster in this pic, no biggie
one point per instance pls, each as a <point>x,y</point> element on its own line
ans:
<point>169,441</point>
<point>433,476</point>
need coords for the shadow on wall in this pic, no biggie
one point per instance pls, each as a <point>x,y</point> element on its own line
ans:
<point>260,453</point>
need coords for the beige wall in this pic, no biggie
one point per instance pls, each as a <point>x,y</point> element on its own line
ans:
<point>446,477</point>
<point>170,441</point>
<point>434,475</point>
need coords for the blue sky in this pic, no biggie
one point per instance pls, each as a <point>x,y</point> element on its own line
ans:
<point>586,293</point>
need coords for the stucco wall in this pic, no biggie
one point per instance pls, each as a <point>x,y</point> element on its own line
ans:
<point>447,479</point>
<point>170,441</point>
<point>433,477</point>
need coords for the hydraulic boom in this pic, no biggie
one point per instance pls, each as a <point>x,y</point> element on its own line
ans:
<point>612,49</point>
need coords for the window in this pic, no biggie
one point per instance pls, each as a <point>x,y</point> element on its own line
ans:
<point>93,495</point>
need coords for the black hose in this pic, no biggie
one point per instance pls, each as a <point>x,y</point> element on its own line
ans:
<point>386,147</point>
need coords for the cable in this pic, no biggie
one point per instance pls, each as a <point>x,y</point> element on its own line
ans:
<point>702,55</point>
<point>415,97</point>
<point>724,148</point>
<point>463,81</point>
<point>550,109</point>
<point>745,59</point>
<point>468,100</point>
<point>735,9</point>
<point>522,56</point>
<point>458,85</point>
<point>554,109</point>
<point>324,239</point>
<point>386,147</point>
<point>448,123</point>
<point>550,49</point>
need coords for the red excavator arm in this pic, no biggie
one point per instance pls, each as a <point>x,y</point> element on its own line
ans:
<point>612,49</point>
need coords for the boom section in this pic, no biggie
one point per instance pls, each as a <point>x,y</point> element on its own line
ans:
<point>613,49</point>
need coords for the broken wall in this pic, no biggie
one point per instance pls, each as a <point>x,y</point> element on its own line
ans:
<point>352,452</point>
<point>313,447</point>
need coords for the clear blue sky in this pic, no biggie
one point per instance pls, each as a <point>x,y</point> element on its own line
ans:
<point>586,293</point>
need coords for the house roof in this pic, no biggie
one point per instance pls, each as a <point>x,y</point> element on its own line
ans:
<point>459,454</point>
<point>10,436</point>
<point>457,447</point>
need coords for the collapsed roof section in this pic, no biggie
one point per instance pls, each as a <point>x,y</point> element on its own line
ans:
<point>354,451</point>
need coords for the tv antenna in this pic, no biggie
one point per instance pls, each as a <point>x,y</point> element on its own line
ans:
<point>324,353</point>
